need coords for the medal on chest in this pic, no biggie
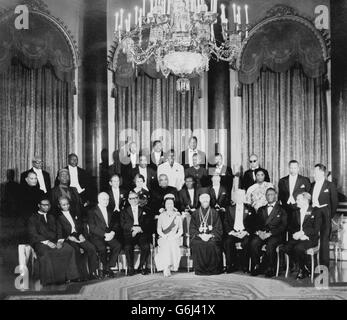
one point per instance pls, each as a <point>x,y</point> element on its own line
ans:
<point>204,226</point>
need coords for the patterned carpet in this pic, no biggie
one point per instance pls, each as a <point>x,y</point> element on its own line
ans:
<point>184,286</point>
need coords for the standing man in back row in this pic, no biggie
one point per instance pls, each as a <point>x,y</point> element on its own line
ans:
<point>187,155</point>
<point>324,196</point>
<point>249,177</point>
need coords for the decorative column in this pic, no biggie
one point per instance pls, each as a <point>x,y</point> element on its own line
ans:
<point>339,96</point>
<point>95,86</point>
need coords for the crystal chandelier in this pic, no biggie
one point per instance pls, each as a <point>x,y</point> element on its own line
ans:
<point>179,36</point>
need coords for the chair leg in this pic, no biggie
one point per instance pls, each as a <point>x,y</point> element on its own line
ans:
<point>188,255</point>
<point>287,265</point>
<point>336,253</point>
<point>250,265</point>
<point>312,267</point>
<point>278,263</point>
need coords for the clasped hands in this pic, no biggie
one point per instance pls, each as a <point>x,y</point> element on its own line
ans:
<point>135,230</point>
<point>239,234</point>
<point>52,245</point>
<point>300,235</point>
<point>109,235</point>
<point>205,237</point>
<point>80,239</point>
<point>263,235</point>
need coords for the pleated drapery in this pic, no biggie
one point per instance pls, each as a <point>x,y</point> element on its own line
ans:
<point>152,109</point>
<point>284,117</point>
<point>36,110</point>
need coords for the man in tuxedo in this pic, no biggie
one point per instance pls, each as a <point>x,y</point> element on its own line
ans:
<point>219,196</point>
<point>104,229</point>
<point>238,229</point>
<point>79,179</point>
<point>270,225</point>
<point>70,228</point>
<point>249,177</point>
<point>324,196</point>
<point>136,225</point>
<point>227,177</point>
<point>117,194</point>
<point>157,155</point>
<point>304,229</point>
<point>173,170</point>
<point>43,178</point>
<point>199,173</point>
<point>290,186</point>
<point>128,164</point>
<point>146,171</point>
<point>187,155</point>
<point>158,194</point>
<point>188,200</point>
<point>57,261</point>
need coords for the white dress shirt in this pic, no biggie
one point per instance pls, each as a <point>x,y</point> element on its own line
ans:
<point>104,213</point>
<point>74,179</point>
<point>143,171</point>
<point>43,214</point>
<point>302,216</point>
<point>253,173</point>
<point>133,159</point>
<point>191,195</point>
<point>218,169</point>
<point>157,156</point>
<point>292,183</point>
<point>238,224</point>
<point>68,216</point>
<point>316,191</point>
<point>216,190</point>
<point>135,211</point>
<point>40,179</point>
<point>175,174</point>
<point>116,194</point>
<point>191,152</point>
<point>270,208</point>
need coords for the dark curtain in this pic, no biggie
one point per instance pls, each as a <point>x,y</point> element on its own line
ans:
<point>36,110</point>
<point>284,117</point>
<point>153,106</point>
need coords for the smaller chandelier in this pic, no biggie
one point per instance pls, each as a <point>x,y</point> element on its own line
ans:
<point>179,36</point>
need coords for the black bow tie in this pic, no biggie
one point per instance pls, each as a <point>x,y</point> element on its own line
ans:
<point>270,205</point>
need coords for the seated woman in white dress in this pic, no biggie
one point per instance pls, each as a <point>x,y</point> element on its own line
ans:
<point>170,230</point>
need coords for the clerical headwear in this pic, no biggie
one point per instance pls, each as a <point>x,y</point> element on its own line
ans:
<point>204,196</point>
<point>169,196</point>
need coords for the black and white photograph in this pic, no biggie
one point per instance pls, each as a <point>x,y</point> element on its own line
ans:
<point>191,151</point>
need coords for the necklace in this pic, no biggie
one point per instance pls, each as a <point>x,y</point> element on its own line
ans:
<point>203,221</point>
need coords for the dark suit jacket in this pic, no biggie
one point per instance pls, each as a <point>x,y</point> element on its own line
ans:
<point>40,230</point>
<point>303,184</point>
<point>127,221</point>
<point>185,158</point>
<point>97,224</point>
<point>185,201</point>
<point>247,179</point>
<point>64,228</point>
<point>227,177</point>
<point>222,199</point>
<point>311,225</point>
<point>276,222</point>
<point>123,195</point>
<point>200,175</point>
<point>152,163</point>
<point>46,178</point>
<point>229,219</point>
<point>327,195</point>
<point>126,170</point>
<point>152,181</point>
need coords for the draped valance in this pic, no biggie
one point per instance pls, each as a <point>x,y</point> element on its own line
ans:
<point>41,44</point>
<point>278,44</point>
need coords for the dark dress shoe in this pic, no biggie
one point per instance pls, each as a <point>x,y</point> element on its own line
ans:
<point>269,273</point>
<point>110,274</point>
<point>302,274</point>
<point>144,271</point>
<point>93,276</point>
<point>256,271</point>
<point>130,272</point>
<point>232,269</point>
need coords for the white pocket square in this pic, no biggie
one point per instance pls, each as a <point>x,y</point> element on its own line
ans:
<point>303,186</point>
<point>326,190</point>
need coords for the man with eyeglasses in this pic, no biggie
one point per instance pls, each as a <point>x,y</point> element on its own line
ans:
<point>136,224</point>
<point>249,177</point>
<point>43,178</point>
